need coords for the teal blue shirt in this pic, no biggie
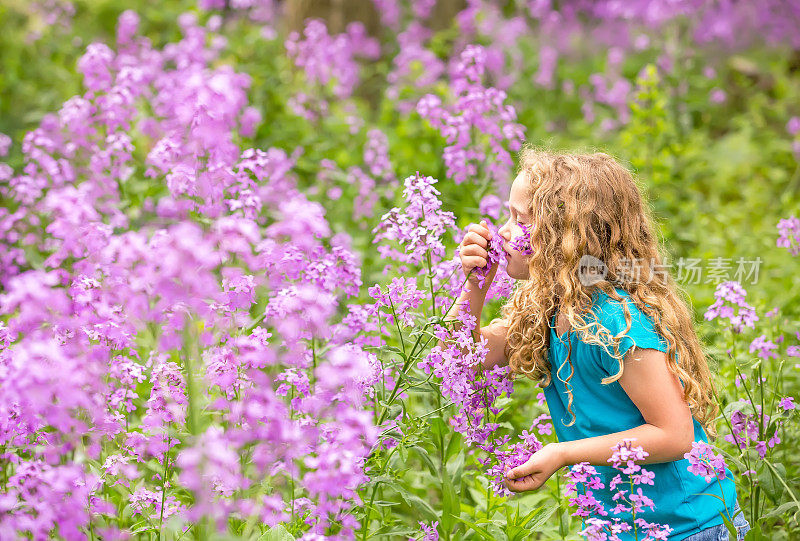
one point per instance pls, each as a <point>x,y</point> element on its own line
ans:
<point>604,409</point>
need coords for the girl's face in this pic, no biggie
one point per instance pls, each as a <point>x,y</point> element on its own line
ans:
<point>518,201</point>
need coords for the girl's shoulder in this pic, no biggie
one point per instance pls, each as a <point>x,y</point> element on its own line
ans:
<point>610,314</point>
<point>641,332</point>
<point>607,308</point>
<point>603,301</point>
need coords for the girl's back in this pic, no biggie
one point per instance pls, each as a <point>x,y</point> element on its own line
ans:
<point>682,500</point>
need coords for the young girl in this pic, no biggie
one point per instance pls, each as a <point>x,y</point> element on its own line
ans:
<point>612,344</point>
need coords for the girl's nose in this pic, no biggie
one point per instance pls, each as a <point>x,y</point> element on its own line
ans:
<point>505,231</point>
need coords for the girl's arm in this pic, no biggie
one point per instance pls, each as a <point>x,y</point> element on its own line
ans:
<point>667,434</point>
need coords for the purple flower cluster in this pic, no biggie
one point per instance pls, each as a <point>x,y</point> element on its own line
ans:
<point>54,13</point>
<point>128,340</point>
<point>583,478</point>
<point>587,505</point>
<point>429,533</point>
<point>495,255</point>
<point>376,154</point>
<point>517,454</point>
<point>329,64</point>
<point>787,403</point>
<point>415,69</point>
<point>401,298</point>
<point>475,109</point>
<point>5,144</point>
<point>789,229</point>
<point>491,205</point>
<point>474,396</point>
<point>704,462</point>
<point>418,228</point>
<point>522,243</point>
<point>746,429</point>
<point>765,347</point>
<point>732,292</point>
<point>485,22</point>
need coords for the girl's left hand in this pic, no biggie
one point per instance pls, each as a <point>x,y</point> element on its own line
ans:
<point>538,469</point>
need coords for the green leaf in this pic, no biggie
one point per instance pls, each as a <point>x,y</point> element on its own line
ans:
<point>538,516</point>
<point>451,502</point>
<point>744,407</point>
<point>455,468</point>
<point>454,446</point>
<point>416,502</point>
<point>496,531</point>
<point>780,510</point>
<point>393,349</point>
<point>438,427</point>
<point>478,495</point>
<point>729,525</point>
<point>480,530</point>
<point>755,534</point>
<point>771,483</point>
<point>276,533</point>
<point>403,452</point>
<point>387,529</point>
<point>426,459</point>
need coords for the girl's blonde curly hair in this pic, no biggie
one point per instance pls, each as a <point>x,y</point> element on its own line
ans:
<point>590,204</point>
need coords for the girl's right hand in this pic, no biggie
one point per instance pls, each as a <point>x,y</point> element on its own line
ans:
<point>473,252</point>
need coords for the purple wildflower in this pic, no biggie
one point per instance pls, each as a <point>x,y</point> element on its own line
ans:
<point>522,243</point>
<point>495,254</point>
<point>5,144</point>
<point>704,462</point>
<point>732,292</point>
<point>789,229</point>
<point>626,453</point>
<point>476,109</point>
<point>491,206</point>
<point>764,347</point>
<point>419,228</point>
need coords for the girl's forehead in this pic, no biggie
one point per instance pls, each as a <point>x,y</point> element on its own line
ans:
<point>519,190</point>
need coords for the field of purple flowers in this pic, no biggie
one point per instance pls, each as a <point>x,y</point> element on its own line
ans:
<point>228,242</point>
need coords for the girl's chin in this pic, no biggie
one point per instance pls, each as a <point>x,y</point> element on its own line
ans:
<point>512,269</point>
<point>516,270</point>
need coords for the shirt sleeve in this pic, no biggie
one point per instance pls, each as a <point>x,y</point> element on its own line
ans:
<point>642,333</point>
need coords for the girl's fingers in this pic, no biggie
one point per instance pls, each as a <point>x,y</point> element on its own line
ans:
<point>474,238</point>
<point>481,230</point>
<point>472,261</point>
<point>474,249</point>
<point>521,471</point>
<point>521,485</point>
